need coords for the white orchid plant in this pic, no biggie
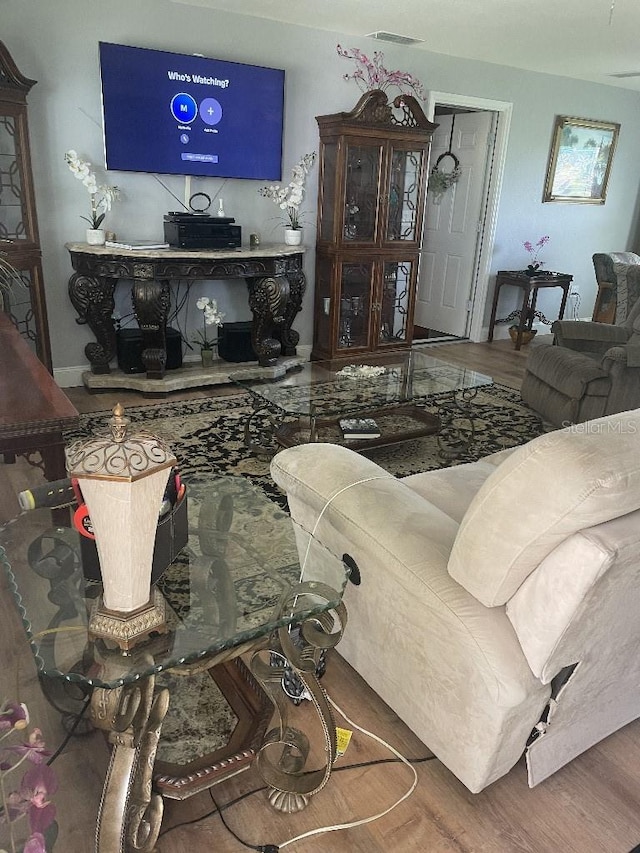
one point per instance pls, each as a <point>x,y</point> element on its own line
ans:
<point>289,198</point>
<point>211,316</point>
<point>102,195</point>
<point>9,276</point>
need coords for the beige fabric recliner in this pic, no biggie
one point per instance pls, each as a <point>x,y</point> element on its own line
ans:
<point>591,369</point>
<point>498,598</point>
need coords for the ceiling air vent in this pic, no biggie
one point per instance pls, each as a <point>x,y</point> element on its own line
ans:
<point>394,38</point>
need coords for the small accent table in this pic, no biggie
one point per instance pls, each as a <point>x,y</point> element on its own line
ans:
<point>529,284</point>
<point>274,277</point>
<point>249,581</point>
<point>34,412</point>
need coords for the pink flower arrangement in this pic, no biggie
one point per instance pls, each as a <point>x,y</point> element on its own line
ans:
<point>534,251</point>
<point>371,74</point>
<point>31,800</point>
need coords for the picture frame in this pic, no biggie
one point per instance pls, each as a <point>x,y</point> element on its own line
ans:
<point>580,160</point>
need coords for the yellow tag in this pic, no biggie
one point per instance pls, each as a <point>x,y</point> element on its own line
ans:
<point>343,737</point>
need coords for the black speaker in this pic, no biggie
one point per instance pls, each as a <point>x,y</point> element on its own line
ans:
<point>234,342</point>
<point>130,347</point>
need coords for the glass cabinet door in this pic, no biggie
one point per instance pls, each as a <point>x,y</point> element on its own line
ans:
<point>403,204</point>
<point>356,287</point>
<point>397,278</point>
<point>361,194</point>
<point>329,165</point>
<point>19,241</point>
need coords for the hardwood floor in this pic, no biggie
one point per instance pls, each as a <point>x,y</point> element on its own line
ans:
<point>591,806</point>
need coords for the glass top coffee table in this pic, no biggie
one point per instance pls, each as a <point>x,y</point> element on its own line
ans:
<point>307,404</point>
<point>246,582</point>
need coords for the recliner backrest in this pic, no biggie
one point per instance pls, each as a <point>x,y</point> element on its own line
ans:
<point>545,491</point>
<point>622,271</point>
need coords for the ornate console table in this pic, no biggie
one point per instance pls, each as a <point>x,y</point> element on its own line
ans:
<point>274,277</point>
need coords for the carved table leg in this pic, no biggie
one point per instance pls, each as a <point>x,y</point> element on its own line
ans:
<point>130,814</point>
<point>289,336</point>
<point>282,758</point>
<point>92,297</point>
<point>151,300</point>
<point>268,299</point>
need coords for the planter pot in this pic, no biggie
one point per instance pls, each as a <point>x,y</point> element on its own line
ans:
<point>95,236</point>
<point>293,236</point>
<point>527,335</point>
<point>207,357</point>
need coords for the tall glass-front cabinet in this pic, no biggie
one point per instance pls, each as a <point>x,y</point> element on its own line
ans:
<point>24,300</point>
<point>373,172</point>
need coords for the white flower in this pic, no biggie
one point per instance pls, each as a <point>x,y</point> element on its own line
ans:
<point>289,198</point>
<point>102,196</point>
<point>211,317</point>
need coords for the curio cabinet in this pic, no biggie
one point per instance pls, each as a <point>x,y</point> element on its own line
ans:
<point>21,282</point>
<point>373,172</point>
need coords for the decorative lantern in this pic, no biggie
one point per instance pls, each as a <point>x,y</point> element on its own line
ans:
<point>123,479</point>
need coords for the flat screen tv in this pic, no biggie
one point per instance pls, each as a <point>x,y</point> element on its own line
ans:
<point>179,114</point>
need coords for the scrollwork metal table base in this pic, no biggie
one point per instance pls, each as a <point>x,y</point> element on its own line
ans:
<point>282,760</point>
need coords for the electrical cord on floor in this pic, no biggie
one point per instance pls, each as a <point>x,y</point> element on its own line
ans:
<point>69,734</point>
<point>273,848</point>
<point>370,818</point>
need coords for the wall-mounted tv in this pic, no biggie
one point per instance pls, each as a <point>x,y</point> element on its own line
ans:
<point>179,114</point>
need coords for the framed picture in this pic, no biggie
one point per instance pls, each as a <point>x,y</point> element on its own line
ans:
<point>580,160</point>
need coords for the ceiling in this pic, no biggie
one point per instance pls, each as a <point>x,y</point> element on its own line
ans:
<point>584,39</point>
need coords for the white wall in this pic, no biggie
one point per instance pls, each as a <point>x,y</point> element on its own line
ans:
<point>56,44</point>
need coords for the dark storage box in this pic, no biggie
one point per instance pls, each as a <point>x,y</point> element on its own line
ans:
<point>130,347</point>
<point>171,538</point>
<point>234,342</point>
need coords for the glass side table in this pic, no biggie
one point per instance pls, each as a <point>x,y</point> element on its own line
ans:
<point>249,582</point>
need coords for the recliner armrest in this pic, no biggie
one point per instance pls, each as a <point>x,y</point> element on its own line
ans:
<point>574,333</point>
<point>334,492</point>
<point>627,356</point>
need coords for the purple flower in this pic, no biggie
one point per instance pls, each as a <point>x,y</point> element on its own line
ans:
<point>534,250</point>
<point>377,76</point>
<point>14,715</point>
<point>34,750</point>
<point>38,783</point>
<point>35,844</point>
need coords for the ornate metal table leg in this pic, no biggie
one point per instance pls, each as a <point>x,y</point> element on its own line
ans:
<point>261,439</point>
<point>151,300</point>
<point>92,297</point>
<point>282,758</point>
<point>130,814</point>
<point>461,437</point>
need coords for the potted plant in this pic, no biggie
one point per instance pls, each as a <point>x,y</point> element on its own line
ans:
<point>102,197</point>
<point>210,317</point>
<point>535,267</point>
<point>290,197</point>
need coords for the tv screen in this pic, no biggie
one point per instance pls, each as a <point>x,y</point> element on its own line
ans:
<point>178,114</point>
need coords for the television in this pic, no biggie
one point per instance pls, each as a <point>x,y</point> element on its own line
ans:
<point>181,114</point>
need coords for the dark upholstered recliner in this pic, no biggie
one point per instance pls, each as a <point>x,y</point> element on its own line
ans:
<point>615,291</point>
<point>591,369</point>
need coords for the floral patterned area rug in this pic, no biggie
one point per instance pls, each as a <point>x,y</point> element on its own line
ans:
<point>207,435</point>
